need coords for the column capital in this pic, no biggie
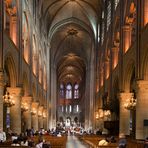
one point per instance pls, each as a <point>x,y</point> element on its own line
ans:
<point>41,108</point>
<point>114,49</point>
<point>127,28</point>
<point>35,104</point>
<point>27,99</point>
<point>15,91</point>
<point>14,18</point>
<point>124,95</point>
<point>142,85</point>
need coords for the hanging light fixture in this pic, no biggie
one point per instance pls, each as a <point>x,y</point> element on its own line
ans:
<point>8,100</point>
<point>131,104</point>
<point>24,107</point>
<point>33,111</point>
<point>99,114</point>
<point>107,113</point>
<point>44,114</point>
<point>40,113</point>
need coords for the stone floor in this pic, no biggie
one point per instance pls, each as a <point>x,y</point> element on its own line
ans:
<point>74,142</point>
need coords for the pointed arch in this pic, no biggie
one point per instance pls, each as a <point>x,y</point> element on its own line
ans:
<point>10,70</point>
<point>128,75</point>
<point>25,84</point>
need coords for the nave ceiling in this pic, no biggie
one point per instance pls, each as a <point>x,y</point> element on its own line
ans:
<point>71,27</point>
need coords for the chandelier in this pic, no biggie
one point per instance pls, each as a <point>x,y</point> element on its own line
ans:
<point>99,114</point>
<point>8,100</point>
<point>40,114</point>
<point>33,111</point>
<point>24,107</point>
<point>107,113</point>
<point>131,104</point>
<point>44,114</point>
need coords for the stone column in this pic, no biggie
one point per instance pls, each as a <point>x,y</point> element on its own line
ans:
<point>27,114</point>
<point>100,78</point>
<point>1,32</point>
<point>107,70</point>
<point>126,37</point>
<point>13,29</point>
<point>141,109</point>
<point>45,119</point>
<point>15,111</point>
<point>1,98</point>
<point>53,96</point>
<point>40,113</point>
<point>124,125</point>
<point>115,51</point>
<point>145,12</point>
<point>35,123</point>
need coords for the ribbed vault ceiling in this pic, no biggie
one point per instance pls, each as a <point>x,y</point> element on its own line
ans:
<point>71,27</point>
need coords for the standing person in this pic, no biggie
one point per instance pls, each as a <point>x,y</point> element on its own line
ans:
<point>24,142</point>
<point>122,141</point>
<point>146,143</point>
<point>32,131</point>
<point>40,142</point>
<point>2,135</point>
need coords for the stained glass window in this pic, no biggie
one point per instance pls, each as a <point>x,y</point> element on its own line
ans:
<point>108,14</point>
<point>69,91</point>
<point>116,3</point>
<point>61,91</point>
<point>76,91</point>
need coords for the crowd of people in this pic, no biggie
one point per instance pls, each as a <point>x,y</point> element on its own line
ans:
<point>26,139</point>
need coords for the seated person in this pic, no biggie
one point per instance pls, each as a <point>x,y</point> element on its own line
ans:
<point>112,139</point>
<point>14,136</point>
<point>122,141</point>
<point>24,142</point>
<point>59,135</point>
<point>105,131</point>
<point>46,145</point>
<point>40,142</point>
<point>103,142</point>
<point>146,143</point>
<point>2,136</point>
<point>15,143</point>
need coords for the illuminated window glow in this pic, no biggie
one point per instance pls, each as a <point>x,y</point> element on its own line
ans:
<point>76,91</point>
<point>108,14</point>
<point>69,91</point>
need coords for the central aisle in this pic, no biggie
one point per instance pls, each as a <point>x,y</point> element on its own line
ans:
<point>74,142</point>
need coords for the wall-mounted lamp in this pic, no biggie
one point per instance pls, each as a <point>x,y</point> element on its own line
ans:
<point>33,111</point>
<point>107,113</point>
<point>24,106</point>
<point>40,114</point>
<point>44,115</point>
<point>99,114</point>
<point>8,100</point>
<point>131,104</point>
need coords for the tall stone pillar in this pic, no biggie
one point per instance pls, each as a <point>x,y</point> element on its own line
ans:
<point>124,125</point>
<point>107,68</point>
<point>40,113</point>
<point>35,123</point>
<point>45,119</point>
<point>13,29</point>
<point>27,114</point>
<point>145,12</point>
<point>127,30</point>
<point>1,98</point>
<point>15,111</point>
<point>52,119</point>
<point>141,109</point>
<point>1,33</point>
<point>115,52</point>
